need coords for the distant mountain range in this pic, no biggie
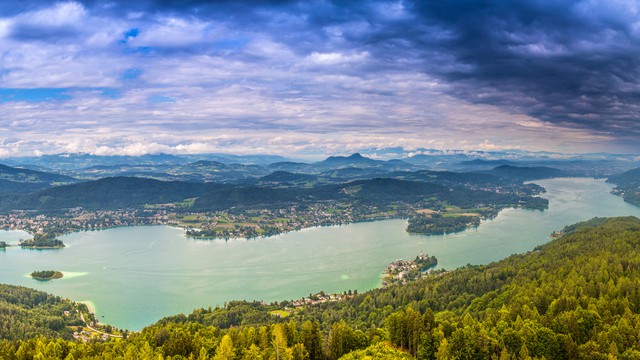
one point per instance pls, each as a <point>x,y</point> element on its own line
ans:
<point>227,168</point>
<point>153,179</point>
<point>62,162</point>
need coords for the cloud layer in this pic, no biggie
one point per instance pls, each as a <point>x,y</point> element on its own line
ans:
<point>318,76</point>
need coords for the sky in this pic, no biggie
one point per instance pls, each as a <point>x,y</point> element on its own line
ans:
<point>296,78</point>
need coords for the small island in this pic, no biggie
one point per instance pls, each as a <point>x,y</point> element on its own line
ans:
<point>3,245</point>
<point>46,275</point>
<point>42,241</point>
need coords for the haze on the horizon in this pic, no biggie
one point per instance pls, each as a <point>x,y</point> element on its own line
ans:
<point>318,77</point>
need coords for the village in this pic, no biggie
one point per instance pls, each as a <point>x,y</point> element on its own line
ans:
<point>224,224</point>
<point>247,222</point>
<point>92,330</point>
<point>79,219</point>
<point>403,271</point>
<point>251,223</point>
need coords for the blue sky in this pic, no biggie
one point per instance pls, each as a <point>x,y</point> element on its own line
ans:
<point>318,77</point>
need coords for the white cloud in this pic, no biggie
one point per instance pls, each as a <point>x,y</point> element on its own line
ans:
<point>5,27</point>
<point>135,149</point>
<point>171,32</point>
<point>335,58</point>
<point>60,14</point>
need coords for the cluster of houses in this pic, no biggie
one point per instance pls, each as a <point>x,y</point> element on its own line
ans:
<point>402,271</point>
<point>315,299</point>
<point>225,223</point>
<point>86,335</point>
<point>79,219</point>
<point>319,298</point>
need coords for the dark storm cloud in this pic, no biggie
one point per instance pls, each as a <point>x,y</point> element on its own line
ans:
<point>575,64</point>
<point>566,62</point>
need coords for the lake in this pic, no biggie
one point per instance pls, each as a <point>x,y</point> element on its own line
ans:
<point>134,276</point>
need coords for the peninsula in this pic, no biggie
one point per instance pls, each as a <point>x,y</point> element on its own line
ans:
<point>42,241</point>
<point>403,271</point>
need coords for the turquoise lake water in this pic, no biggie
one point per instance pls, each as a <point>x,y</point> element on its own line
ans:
<point>134,276</point>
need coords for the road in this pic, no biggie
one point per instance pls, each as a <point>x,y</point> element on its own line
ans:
<point>94,329</point>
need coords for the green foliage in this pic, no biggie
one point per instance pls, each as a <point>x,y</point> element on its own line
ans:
<point>379,351</point>
<point>26,313</point>
<point>583,225</point>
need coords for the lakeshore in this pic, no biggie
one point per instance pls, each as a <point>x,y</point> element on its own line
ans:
<point>430,217</point>
<point>137,275</point>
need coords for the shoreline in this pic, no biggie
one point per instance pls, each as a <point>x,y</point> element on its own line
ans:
<point>363,289</point>
<point>41,247</point>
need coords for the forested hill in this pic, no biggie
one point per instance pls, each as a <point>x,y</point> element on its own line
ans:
<point>17,180</point>
<point>526,173</point>
<point>131,192</point>
<point>107,193</point>
<point>577,297</point>
<point>628,185</point>
<point>31,176</point>
<point>629,178</point>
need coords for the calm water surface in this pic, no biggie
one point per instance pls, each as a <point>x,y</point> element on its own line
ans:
<point>135,276</point>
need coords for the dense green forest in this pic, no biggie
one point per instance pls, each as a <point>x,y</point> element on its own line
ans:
<point>577,297</point>
<point>27,313</point>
